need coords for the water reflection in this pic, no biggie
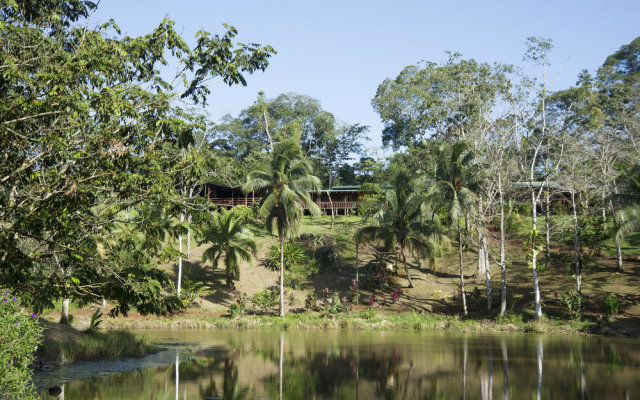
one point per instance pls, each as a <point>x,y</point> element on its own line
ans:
<point>369,365</point>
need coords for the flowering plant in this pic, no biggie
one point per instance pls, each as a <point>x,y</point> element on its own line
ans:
<point>20,335</point>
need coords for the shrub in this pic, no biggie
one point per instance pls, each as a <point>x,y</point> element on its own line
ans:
<point>311,301</point>
<point>294,254</point>
<point>240,305</point>
<point>192,290</point>
<point>574,302</point>
<point>20,335</point>
<point>243,213</point>
<point>96,320</point>
<point>266,299</point>
<point>611,305</point>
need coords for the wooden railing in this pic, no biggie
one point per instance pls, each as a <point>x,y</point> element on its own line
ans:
<point>324,205</point>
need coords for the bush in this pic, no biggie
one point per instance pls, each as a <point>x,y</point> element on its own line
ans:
<point>243,213</point>
<point>294,254</point>
<point>311,301</point>
<point>192,290</point>
<point>240,305</point>
<point>574,302</point>
<point>326,250</point>
<point>266,299</point>
<point>611,305</point>
<point>20,335</point>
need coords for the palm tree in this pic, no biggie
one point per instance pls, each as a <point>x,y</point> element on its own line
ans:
<point>453,190</point>
<point>287,185</point>
<point>229,238</point>
<point>399,222</point>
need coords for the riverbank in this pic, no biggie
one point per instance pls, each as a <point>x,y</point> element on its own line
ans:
<point>63,345</point>
<point>375,320</point>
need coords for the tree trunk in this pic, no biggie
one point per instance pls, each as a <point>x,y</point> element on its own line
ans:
<point>482,267</point>
<point>503,267</point>
<point>618,249</point>
<point>406,270</point>
<point>547,234</point>
<point>534,256</point>
<point>281,275</point>
<point>180,258</point>
<point>576,246</point>
<point>64,313</point>
<point>332,211</point>
<point>464,297</point>
<point>487,273</point>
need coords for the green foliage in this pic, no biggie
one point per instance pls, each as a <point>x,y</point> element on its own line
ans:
<point>611,305</point>
<point>294,256</point>
<point>575,303</point>
<point>20,335</point>
<point>228,238</point>
<point>239,306</point>
<point>89,127</point>
<point>244,214</point>
<point>311,301</point>
<point>192,290</point>
<point>267,299</point>
<point>593,234</point>
<point>296,276</point>
<point>333,305</point>
<point>96,320</point>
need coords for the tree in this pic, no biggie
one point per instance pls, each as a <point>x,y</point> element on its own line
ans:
<point>454,191</point>
<point>400,221</point>
<point>230,239</point>
<point>85,121</point>
<point>532,139</point>
<point>286,186</point>
<point>249,137</point>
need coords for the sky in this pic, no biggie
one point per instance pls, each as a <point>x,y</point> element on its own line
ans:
<point>340,51</point>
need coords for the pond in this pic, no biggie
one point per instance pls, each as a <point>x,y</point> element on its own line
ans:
<point>265,364</point>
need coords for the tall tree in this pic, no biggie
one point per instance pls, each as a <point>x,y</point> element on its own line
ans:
<point>326,142</point>
<point>287,185</point>
<point>402,222</point>
<point>85,119</point>
<point>454,190</point>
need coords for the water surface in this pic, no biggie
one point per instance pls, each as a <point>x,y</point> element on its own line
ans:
<point>267,364</point>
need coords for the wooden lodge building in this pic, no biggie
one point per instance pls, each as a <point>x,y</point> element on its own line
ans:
<point>345,199</point>
<point>342,199</point>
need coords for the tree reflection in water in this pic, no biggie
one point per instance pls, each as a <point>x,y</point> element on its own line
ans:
<point>291,365</point>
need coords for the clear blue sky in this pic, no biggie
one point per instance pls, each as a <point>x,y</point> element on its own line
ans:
<point>340,51</point>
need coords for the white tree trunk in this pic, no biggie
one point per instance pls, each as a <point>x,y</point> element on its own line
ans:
<point>464,296</point>
<point>281,276</point>
<point>547,233</point>
<point>534,256</point>
<point>64,313</point>
<point>487,273</point>
<point>180,258</point>
<point>503,267</point>
<point>576,245</point>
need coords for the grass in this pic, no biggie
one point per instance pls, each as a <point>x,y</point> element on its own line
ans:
<point>368,320</point>
<point>93,345</point>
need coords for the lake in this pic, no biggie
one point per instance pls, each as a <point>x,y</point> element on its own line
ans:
<point>333,364</point>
